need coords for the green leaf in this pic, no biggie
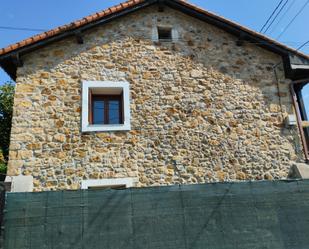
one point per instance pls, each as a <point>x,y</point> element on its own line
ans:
<point>6,112</point>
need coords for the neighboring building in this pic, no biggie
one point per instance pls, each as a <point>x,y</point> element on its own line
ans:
<point>153,93</point>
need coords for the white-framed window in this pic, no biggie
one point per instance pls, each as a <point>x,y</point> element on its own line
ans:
<point>105,106</point>
<point>115,183</point>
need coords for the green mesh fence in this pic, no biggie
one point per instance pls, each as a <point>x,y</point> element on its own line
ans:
<point>259,215</point>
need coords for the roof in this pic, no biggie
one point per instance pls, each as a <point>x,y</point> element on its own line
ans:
<point>74,28</point>
<point>74,25</point>
<point>120,7</point>
<point>269,215</point>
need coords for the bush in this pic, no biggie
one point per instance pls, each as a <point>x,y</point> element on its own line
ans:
<point>2,160</point>
<point>6,110</point>
<point>3,168</point>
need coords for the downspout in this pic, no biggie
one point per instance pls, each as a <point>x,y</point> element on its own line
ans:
<point>278,87</point>
<point>299,120</point>
<point>297,111</point>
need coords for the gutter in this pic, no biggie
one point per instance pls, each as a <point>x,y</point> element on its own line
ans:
<point>305,67</point>
<point>297,110</point>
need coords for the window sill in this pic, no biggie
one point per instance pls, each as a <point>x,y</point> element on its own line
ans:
<point>118,127</point>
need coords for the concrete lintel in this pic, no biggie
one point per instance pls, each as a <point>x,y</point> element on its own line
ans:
<point>128,182</point>
<point>299,171</point>
<point>20,183</point>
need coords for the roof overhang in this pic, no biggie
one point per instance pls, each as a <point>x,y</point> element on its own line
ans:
<point>296,67</point>
<point>296,64</point>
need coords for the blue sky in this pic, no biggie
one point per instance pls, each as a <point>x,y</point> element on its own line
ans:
<point>47,14</point>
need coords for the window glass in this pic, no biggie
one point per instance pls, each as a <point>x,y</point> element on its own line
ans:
<point>107,109</point>
<point>98,112</point>
<point>305,99</point>
<point>114,111</point>
<point>303,102</point>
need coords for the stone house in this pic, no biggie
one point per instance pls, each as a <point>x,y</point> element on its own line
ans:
<point>154,92</point>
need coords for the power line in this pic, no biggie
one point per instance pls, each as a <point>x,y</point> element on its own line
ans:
<point>303,45</point>
<point>278,13</point>
<point>20,28</point>
<point>272,14</point>
<point>281,18</point>
<point>298,13</point>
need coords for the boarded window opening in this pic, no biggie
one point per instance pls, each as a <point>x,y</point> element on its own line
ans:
<point>164,33</point>
<point>115,187</point>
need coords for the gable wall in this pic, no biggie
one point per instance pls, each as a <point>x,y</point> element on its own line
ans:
<point>202,109</point>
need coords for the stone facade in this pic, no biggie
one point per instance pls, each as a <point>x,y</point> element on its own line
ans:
<point>202,108</point>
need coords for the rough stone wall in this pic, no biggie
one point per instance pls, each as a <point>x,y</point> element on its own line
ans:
<point>203,109</point>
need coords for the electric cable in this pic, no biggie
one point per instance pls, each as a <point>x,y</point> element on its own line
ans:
<point>282,17</point>
<point>272,14</point>
<point>278,13</point>
<point>290,23</point>
<point>20,28</point>
<point>303,45</point>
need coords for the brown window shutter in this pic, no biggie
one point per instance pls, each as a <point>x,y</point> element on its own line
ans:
<point>90,119</point>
